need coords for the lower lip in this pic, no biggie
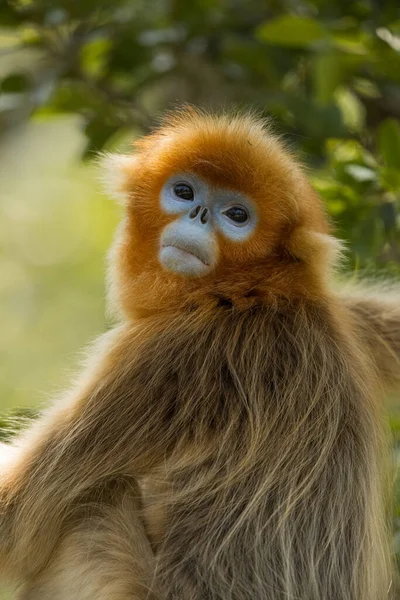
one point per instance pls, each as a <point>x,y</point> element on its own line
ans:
<point>185,253</point>
<point>179,261</point>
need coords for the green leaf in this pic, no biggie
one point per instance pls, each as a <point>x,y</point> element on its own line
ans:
<point>94,56</point>
<point>390,179</point>
<point>354,42</point>
<point>8,15</point>
<point>365,87</point>
<point>389,142</point>
<point>360,173</point>
<point>342,150</point>
<point>327,75</point>
<point>291,31</point>
<point>14,84</point>
<point>353,111</point>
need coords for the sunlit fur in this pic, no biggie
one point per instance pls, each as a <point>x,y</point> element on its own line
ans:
<point>246,404</point>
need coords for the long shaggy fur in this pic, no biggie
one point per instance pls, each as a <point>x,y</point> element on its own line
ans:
<point>226,441</point>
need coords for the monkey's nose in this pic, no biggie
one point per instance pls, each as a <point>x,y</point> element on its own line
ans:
<point>204,215</point>
<point>194,212</point>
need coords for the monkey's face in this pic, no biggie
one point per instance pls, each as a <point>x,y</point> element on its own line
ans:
<point>203,214</point>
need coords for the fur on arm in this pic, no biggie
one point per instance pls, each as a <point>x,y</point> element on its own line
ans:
<point>105,555</point>
<point>376,314</point>
<point>106,430</point>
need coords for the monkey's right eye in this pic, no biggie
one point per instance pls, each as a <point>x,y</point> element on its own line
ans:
<point>184,191</point>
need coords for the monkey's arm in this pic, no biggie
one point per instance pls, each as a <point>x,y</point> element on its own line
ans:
<point>112,425</point>
<point>377,320</point>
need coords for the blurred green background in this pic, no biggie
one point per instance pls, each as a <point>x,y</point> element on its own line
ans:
<point>81,76</point>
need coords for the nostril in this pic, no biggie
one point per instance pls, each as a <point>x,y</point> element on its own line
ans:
<point>194,212</point>
<point>204,215</point>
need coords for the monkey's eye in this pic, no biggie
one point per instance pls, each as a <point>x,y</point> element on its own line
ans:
<point>184,191</point>
<point>238,214</point>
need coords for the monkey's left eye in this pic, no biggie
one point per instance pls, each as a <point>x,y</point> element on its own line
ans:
<point>184,191</point>
<point>237,214</point>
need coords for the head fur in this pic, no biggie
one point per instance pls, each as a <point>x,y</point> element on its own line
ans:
<point>237,153</point>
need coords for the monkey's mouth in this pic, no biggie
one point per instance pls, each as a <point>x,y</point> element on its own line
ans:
<point>183,260</point>
<point>187,251</point>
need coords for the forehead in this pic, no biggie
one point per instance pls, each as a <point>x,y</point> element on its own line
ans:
<point>201,185</point>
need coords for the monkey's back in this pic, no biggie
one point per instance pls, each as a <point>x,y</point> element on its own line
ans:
<point>274,487</point>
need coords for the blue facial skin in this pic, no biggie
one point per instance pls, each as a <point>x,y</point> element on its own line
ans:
<point>189,245</point>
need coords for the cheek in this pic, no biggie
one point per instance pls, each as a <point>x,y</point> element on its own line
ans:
<point>258,245</point>
<point>237,252</point>
<point>138,242</point>
<point>146,222</point>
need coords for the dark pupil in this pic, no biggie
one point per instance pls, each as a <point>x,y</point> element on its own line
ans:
<point>237,214</point>
<point>184,191</point>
